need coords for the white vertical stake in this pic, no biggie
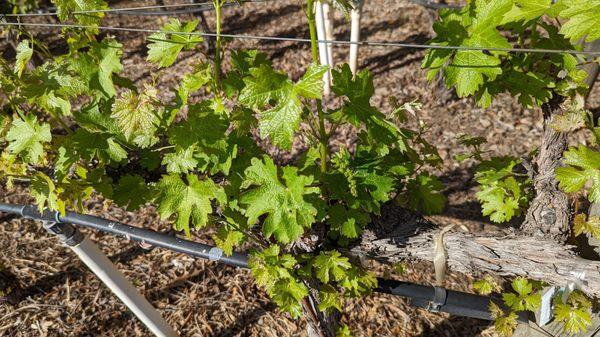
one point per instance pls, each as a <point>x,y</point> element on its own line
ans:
<point>328,32</point>
<point>355,35</point>
<point>322,45</point>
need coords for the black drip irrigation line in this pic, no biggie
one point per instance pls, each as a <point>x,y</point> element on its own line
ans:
<point>435,299</point>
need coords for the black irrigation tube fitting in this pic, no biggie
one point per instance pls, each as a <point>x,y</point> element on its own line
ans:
<point>435,299</point>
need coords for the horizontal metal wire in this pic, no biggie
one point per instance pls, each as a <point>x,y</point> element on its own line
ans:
<point>207,5</point>
<point>304,40</point>
<point>135,10</point>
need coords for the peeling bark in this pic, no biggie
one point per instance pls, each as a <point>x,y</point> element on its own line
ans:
<point>549,214</point>
<point>503,254</point>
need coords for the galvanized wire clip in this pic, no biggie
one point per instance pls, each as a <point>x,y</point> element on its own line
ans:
<point>439,299</point>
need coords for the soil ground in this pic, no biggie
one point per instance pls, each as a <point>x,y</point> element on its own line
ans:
<point>60,297</point>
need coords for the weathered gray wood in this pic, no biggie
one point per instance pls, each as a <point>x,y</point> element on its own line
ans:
<point>501,254</point>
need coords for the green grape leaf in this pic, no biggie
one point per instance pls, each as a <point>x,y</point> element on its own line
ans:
<point>470,69</point>
<point>190,83</point>
<point>227,239</point>
<point>274,272</point>
<point>164,47</point>
<point>504,324</point>
<point>502,196</point>
<point>99,65</point>
<point>263,86</point>
<point>43,189</point>
<point>281,122</point>
<point>268,266</point>
<point>583,165</point>
<point>24,53</point>
<point>343,331</point>
<point>529,87</point>
<point>180,161</point>
<point>525,298</point>
<point>137,117</point>
<point>526,10</point>
<point>590,226</point>
<point>188,201</point>
<point>329,299</point>
<point>288,294</point>
<point>358,282</point>
<point>267,87</point>
<point>583,16</point>
<point>26,138</point>
<point>486,285</point>
<point>207,132</point>
<point>93,145</point>
<point>348,222</point>
<point>66,8</point>
<point>284,202</point>
<point>311,84</point>
<point>107,57</point>
<point>575,320</point>
<point>330,265</point>
<point>131,192</point>
<point>425,194</point>
<point>489,14</point>
<point>500,202</point>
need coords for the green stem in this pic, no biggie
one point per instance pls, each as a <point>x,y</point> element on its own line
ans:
<point>217,4</point>
<point>324,137</point>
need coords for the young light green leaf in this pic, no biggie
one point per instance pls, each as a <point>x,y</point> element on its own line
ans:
<point>26,138</point>
<point>575,320</point>
<point>165,46</point>
<point>590,226</point>
<point>470,69</point>
<point>288,294</point>
<point>486,285</point>
<point>583,165</point>
<point>180,161</point>
<point>504,324</point>
<point>330,265</point>
<point>524,298</point>
<point>329,299</point>
<point>583,15</point>
<point>227,239</point>
<point>188,201</point>
<point>137,116</point>
<point>43,189</point>
<point>66,8</point>
<point>24,53</point>
<point>343,331</point>
<point>526,10</point>
<point>284,202</point>
<point>311,84</point>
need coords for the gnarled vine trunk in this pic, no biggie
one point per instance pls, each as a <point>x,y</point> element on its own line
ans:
<point>549,214</point>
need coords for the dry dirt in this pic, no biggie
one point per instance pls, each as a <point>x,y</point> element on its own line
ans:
<point>60,297</point>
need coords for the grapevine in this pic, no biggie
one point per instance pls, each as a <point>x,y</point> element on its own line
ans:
<point>74,127</point>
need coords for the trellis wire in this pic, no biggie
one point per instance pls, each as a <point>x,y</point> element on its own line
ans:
<point>132,9</point>
<point>204,6</point>
<point>304,40</point>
